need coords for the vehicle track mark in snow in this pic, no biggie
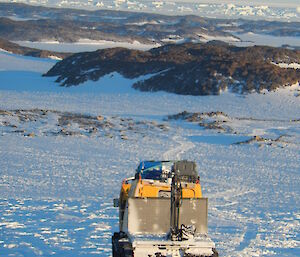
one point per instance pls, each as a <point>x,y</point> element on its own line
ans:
<point>249,235</point>
<point>177,151</point>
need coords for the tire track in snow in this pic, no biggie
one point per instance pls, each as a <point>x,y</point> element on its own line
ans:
<point>175,153</point>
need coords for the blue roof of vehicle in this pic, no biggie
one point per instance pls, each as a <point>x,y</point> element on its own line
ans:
<point>149,165</point>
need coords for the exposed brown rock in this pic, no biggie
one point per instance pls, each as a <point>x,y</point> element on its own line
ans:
<point>189,69</point>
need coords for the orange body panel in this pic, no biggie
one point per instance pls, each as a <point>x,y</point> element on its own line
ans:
<point>146,189</point>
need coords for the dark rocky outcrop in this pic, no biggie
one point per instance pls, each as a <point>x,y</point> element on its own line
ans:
<point>189,69</point>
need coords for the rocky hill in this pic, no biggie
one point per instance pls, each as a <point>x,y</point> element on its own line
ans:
<point>58,30</point>
<point>189,69</point>
<point>27,51</point>
<point>19,22</point>
<point>73,25</point>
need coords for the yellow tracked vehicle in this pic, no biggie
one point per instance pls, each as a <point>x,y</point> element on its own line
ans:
<point>162,213</point>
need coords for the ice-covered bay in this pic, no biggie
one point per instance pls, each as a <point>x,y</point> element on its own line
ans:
<point>251,39</point>
<point>56,190</point>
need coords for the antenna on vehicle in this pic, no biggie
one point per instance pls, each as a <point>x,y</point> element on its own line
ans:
<point>176,192</point>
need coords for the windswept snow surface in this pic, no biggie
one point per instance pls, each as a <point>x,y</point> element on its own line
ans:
<point>12,62</point>
<point>207,38</point>
<point>58,175</point>
<point>238,39</point>
<point>251,39</point>
<point>85,45</point>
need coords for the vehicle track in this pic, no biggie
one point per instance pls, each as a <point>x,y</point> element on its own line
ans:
<point>182,146</point>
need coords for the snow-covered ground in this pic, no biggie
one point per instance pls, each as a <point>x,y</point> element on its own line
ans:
<point>12,62</point>
<point>227,39</point>
<point>251,39</point>
<point>84,45</point>
<point>288,65</point>
<point>65,151</point>
<point>242,40</point>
